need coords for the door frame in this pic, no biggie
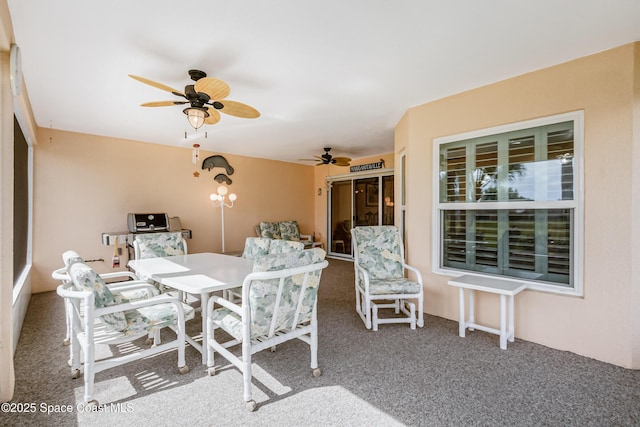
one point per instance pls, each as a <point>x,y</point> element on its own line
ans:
<point>329,180</point>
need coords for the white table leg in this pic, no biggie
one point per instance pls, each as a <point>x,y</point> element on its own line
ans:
<point>462,325</point>
<point>204,302</point>
<point>472,311</point>
<point>511,331</point>
<point>503,322</point>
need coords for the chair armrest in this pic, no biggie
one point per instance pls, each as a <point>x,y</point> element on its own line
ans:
<point>67,290</point>
<point>133,305</point>
<point>116,274</point>
<point>61,274</point>
<point>415,271</point>
<point>132,285</point>
<point>363,272</point>
<point>223,302</point>
<point>306,238</point>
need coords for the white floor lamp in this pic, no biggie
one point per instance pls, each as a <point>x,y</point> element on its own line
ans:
<point>218,199</point>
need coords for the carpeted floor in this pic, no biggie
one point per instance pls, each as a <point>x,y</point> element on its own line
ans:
<point>396,376</point>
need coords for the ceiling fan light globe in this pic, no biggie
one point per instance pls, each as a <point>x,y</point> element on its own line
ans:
<point>196,116</point>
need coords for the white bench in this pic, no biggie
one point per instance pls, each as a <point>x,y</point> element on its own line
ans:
<point>505,288</point>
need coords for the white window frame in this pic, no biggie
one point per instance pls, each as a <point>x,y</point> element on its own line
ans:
<point>577,204</point>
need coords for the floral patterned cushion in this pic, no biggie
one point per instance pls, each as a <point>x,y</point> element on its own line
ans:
<point>130,295</point>
<point>86,279</point>
<point>289,230</point>
<point>263,295</point>
<point>393,286</point>
<point>155,245</point>
<point>379,251</point>
<point>284,260</point>
<point>284,246</point>
<point>255,246</point>
<point>270,230</point>
<point>149,318</point>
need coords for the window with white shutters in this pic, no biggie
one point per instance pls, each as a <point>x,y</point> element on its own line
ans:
<point>509,203</point>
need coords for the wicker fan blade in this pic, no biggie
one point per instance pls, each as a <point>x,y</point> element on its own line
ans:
<point>320,164</point>
<point>157,85</point>
<point>342,161</point>
<point>214,116</point>
<point>163,103</point>
<point>239,109</point>
<point>215,88</point>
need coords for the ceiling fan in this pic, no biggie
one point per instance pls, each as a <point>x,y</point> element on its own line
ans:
<point>206,97</point>
<point>328,159</point>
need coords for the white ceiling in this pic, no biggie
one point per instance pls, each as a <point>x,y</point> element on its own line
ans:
<point>337,73</point>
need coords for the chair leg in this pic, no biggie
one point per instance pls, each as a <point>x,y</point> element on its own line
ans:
<point>412,314</point>
<point>75,357</point>
<point>420,311</point>
<point>313,346</point>
<point>69,319</point>
<point>182,364</point>
<point>246,375</point>
<point>374,309</point>
<point>367,308</point>
<point>363,307</point>
<point>89,372</point>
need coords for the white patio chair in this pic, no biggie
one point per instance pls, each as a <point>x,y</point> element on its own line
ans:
<point>128,287</point>
<point>279,303</point>
<point>277,246</point>
<point>156,245</point>
<point>255,247</point>
<point>109,320</point>
<point>380,276</point>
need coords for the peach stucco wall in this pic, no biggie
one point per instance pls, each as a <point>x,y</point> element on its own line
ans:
<point>602,324</point>
<point>85,185</point>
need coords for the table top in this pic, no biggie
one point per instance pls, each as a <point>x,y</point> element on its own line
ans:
<point>195,273</point>
<point>488,284</point>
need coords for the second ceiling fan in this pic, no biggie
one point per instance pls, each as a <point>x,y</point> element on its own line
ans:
<point>328,159</point>
<point>206,97</point>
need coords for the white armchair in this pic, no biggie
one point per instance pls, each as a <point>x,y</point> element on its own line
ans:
<point>380,276</point>
<point>155,245</point>
<point>107,319</point>
<point>279,303</point>
<point>127,286</point>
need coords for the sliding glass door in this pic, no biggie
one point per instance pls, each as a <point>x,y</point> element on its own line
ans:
<point>357,202</point>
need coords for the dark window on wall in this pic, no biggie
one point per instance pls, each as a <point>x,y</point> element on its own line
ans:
<point>20,200</point>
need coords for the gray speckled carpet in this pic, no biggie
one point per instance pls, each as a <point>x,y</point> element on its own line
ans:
<point>395,376</point>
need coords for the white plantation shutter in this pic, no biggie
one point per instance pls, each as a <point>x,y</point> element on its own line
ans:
<point>507,205</point>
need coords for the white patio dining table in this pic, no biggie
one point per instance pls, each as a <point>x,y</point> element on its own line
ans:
<point>196,274</point>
